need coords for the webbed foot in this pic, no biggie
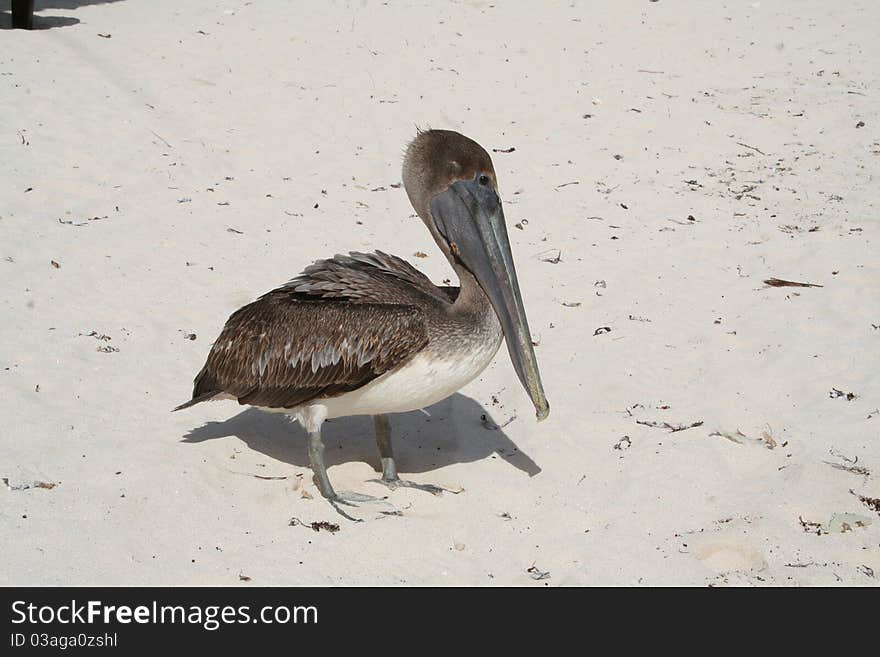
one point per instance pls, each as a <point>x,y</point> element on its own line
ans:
<point>396,483</point>
<point>353,501</point>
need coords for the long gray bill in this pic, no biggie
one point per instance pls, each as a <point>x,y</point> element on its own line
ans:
<point>469,216</point>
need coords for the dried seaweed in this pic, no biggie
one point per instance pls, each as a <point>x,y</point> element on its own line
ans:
<point>47,485</point>
<point>835,394</point>
<point>811,527</point>
<point>872,503</point>
<point>317,525</point>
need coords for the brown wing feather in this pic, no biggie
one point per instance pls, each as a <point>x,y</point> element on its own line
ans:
<point>366,277</point>
<point>281,352</point>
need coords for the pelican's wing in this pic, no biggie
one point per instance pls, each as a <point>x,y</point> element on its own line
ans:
<point>282,350</point>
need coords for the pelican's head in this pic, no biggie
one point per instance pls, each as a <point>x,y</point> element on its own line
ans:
<point>452,185</point>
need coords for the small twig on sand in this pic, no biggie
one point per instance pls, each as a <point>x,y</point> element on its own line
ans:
<point>851,467</point>
<point>854,469</point>
<point>537,573</point>
<point>843,457</point>
<point>732,437</point>
<point>672,427</point>
<point>573,182</point>
<point>258,476</point>
<point>491,426</point>
<point>158,136</point>
<point>766,440</point>
<point>757,150</point>
<point>781,282</point>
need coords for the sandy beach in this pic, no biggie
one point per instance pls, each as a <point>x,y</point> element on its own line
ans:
<point>164,163</point>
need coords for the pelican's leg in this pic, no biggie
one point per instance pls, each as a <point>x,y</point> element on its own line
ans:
<point>386,453</point>
<point>316,456</point>
<point>389,468</point>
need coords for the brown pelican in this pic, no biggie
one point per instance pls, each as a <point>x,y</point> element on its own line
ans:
<point>368,334</point>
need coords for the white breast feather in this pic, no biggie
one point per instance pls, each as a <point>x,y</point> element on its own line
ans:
<point>423,381</point>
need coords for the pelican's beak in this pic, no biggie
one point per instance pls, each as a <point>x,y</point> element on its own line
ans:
<point>469,217</point>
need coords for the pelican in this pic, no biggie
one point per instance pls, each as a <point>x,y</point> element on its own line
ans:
<point>368,334</point>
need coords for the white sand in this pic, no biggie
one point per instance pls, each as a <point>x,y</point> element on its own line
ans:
<point>197,117</point>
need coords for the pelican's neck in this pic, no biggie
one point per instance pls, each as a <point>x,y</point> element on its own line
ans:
<point>471,300</point>
<point>471,297</point>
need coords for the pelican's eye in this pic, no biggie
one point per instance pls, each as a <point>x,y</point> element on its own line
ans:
<point>483,179</point>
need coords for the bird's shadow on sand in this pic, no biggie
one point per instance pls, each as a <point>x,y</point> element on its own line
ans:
<point>454,433</point>
<point>40,22</point>
<point>44,22</point>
